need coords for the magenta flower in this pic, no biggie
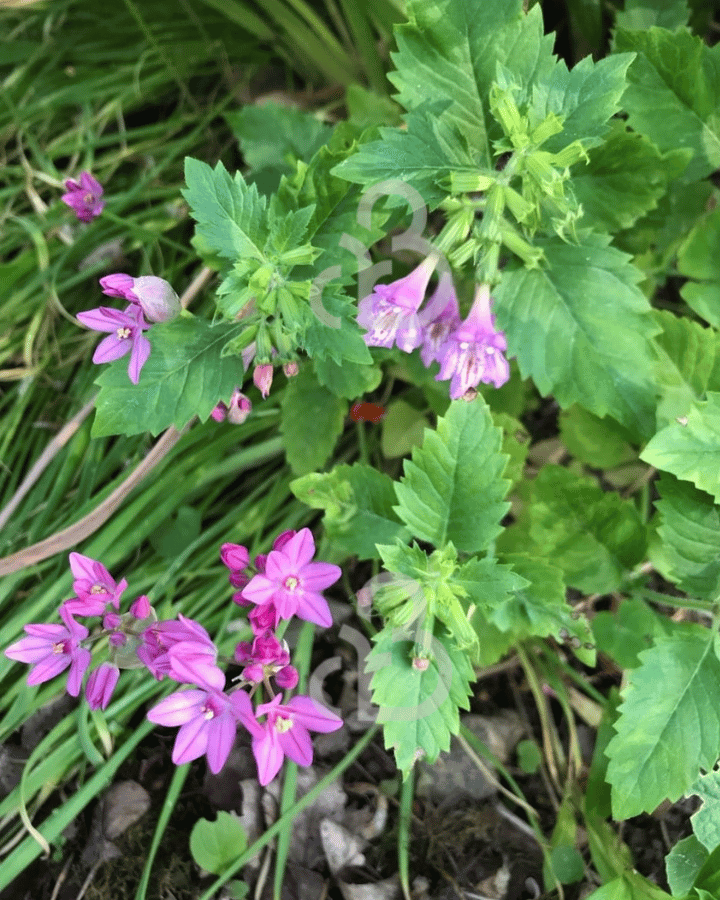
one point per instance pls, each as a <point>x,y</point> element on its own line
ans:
<point>94,587</point>
<point>207,717</point>
<point>261,617</point>
<point>439,318</point>
<point>160,637</point>
<point>389,314</point>
<point>84,197</point>
<point>236,413</point>
<point>285,732</point>
<point>292,583</point>
<point>155,296</point>
<point>50,649</point>
<point>101,684</point>
<point>126,335</point>
<point>264,658</point>
<point>474,351</point>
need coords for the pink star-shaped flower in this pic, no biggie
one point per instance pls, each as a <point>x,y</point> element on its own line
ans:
<point>126,336</point>
<point>84,197</point>
<point>286,732</point>
<point>50,649</point>
<point>292,583</point>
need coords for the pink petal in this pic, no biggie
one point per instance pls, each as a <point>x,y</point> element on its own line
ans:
<point>48,668</point>
<point>82,566</point>
<point>300,549</point>
<point>192,664</point>
<point>221,737</point>
<point>80,661</point>
<point>260,589</point>
<point>104,318</point>
<point>319,575</point>
<point>297,744</point>
<point>191,741</point>
<point>268,755</point>
<point>313,608</point>
<point>241,706</point>
<point>139,354</point>
<point>30,649</point>
<point>313,716</point>
<point>178,708</point>
<point>111,348</point>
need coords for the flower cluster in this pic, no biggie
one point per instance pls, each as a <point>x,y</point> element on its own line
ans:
<point>206,711</point>
<point>469,351</point>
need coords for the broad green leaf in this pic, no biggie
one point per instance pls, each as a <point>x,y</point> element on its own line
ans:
<point>665,736</point>
<point>683,863</point>
<point>707,882</point>
<point>706,821</point>
<point>690,449</point>
<point>516,443</point>
<point>582,330</point>
<point>623,635</point>
<point>449,51</point>
<point>420,155</point>
<point>623,179</point>
<point>594,536</point>
<point>599,443</point>
<point>274,137</point>
<point>698,259</point>
<point>216,845</point>
<point>453,489</point>
<point>639,15</point>
<point>673,95</point>
<point>687,356</point>
<point>358,502</point>
<point>231,216</point>
<point>331,331</point>
<point>347,379</point>
<point>418,709</point>
<point>185,376</point>
<point>311,422</point>
<point>688,548</point>
<point>630,886</point>
<point>539,608</point>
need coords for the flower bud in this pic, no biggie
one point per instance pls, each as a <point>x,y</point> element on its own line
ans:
<point>239,409</point>
<point>287,678</point>
<point>291,369</point>
<point>262,377</point>
<point>157,299</point>
<point>101,684</point>
<point>141,608</point>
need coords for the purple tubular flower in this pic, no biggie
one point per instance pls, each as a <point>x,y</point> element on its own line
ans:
<point>292,583</point>
<point>126,336</point>
<point>84,197</point>
<point>94,587</point>
<point>50,649</point>
<point>286,733</point>
<point>389,314</point>
<point>474,351</point>
<point>207,717</point>
<point>439,318</point>
<point>119,285</point>
<point>101,684</point>
<point>263,378</point>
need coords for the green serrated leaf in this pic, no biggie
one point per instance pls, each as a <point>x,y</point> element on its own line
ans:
<point>582,330</point>
<point>231,216</point>
<point>630,886</point>
<point>594,536</point>
<point>639,15</point>
<point>688,548</point>
<point>515,445</point>
<point>358,502</point>
<point>706,821</point>
<point>683,863</point>
<point>539,607</point>
<point>623,635</point>
<point>216,845</point>
<point>312,419</point>
<point>674,89</point>
<point>599,443</point>
<point>687,354</point>
<point>347,379</point>
<point>418,709</point>
<point>184,376</point>
<point>690,449</point>
<point>664,737</point>
<point>623,179</point>
<point>452,490</point>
